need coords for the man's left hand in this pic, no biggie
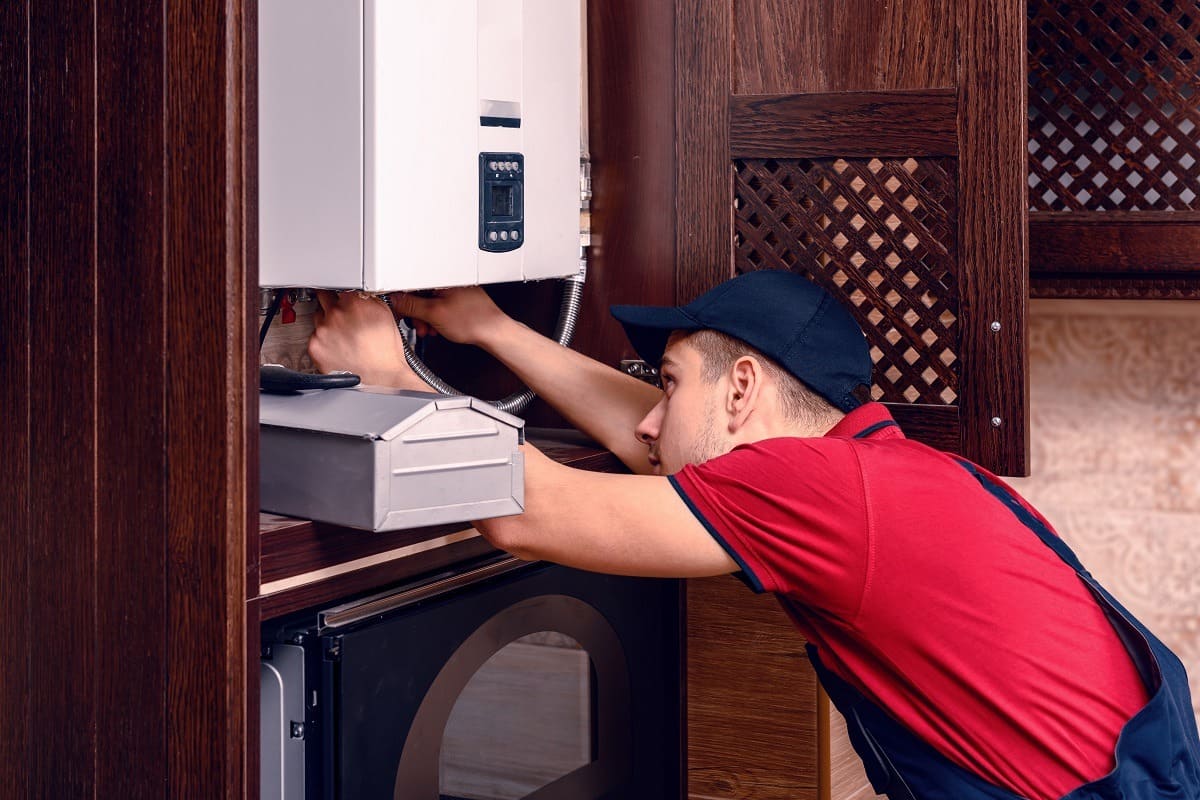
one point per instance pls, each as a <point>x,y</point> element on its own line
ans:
<point>358,333</point>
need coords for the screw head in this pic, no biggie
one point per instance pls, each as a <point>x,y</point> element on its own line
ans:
<point>997,422</point>
<point>995,326</point>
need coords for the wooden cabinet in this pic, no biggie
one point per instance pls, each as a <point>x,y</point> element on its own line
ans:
<point>1114,156</point>
<point>129,407</point>
<point>877,147</point>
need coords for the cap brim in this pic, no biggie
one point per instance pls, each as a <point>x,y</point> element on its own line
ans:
<point>649,327</point>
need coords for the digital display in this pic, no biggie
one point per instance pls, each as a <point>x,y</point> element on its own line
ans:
<point>502,201</point>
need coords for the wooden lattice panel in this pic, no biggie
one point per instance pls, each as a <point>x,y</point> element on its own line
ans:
<point>1113,117</point>
<point>880,233</point>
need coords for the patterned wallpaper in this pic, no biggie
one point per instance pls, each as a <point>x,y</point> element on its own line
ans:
<point>1115,430</point>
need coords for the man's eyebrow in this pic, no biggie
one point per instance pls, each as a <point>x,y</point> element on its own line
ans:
<point>667,361</point>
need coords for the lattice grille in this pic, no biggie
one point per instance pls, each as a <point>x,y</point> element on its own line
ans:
<point>878,232</point>
<point>1113,117</point>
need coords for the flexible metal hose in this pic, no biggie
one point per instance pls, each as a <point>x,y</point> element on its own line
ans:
<point>564,331</point>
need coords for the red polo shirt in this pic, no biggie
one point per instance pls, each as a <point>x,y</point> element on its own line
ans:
<point>922,591</point>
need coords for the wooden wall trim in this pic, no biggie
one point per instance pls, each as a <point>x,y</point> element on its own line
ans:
<point>993,230</point>
<point>1083,286</point>
<point>15,421</point>
<point>130,384</point>
<point>844,124</point>
<point>63,459</point>
<point>704,177</point>
<point>209,397</point>
<point>631,138</point>
<point>1137,245</point>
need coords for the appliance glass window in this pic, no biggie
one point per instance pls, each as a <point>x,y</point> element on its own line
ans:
<point>524,720</point>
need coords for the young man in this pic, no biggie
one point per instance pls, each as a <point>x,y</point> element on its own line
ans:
<point>971,654</point>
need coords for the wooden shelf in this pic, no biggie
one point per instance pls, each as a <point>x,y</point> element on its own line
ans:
<point>302,563</point>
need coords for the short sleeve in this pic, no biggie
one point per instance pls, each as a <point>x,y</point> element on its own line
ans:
<point>791,514</point>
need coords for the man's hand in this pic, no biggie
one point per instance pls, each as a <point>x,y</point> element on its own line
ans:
<point>620,524</point>
<point>465,315</point>
<point>358,333</point>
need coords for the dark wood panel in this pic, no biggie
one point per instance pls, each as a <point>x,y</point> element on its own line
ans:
<point>207,432</point>
<point>130,586</point>
<point>372,578</point>
<point>631,133</point>
<point>936,426</point>
<point>1141,245</point>
<point>751,697</point>
<point>249,90</point>
<point>785,46</point>
<point>992,235</point>
<point>844,124</point>
<point>1069,286</point>
<point>704,240</point>
<point>14,396</point>
<point>295,546</point>
<point>62,690</point>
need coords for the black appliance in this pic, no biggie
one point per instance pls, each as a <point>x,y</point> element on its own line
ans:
<point>499,680</point>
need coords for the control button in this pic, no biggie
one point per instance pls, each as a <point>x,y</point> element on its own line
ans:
<point>504,235</point>
<point>516,235</point>
<point>492,236</point>
<point>492,166</point>
<point>508,165</point>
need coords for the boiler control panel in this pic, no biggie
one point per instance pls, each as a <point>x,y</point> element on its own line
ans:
<point>501,201</point>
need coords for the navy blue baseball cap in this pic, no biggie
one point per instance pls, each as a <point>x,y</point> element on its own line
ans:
<point>781,314</point>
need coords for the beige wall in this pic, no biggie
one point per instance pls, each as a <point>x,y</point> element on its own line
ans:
<point>1115,429</point>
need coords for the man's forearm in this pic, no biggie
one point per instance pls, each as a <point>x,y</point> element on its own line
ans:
<point>599,400</point>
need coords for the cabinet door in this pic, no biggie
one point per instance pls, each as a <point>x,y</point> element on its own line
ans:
<point>878,149</point>
<point>1114,159</point>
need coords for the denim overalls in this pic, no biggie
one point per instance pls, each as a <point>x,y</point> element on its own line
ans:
<point>1157,753</point>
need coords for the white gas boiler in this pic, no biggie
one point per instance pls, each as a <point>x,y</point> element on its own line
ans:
<point>408,145</point>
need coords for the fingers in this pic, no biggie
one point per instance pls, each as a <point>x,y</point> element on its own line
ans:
<point>326,298</point>
<point>409,305</point>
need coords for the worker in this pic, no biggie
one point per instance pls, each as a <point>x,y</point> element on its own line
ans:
<point>969,651</point>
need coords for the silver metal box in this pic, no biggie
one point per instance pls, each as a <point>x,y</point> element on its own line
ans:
<point>382,459</point>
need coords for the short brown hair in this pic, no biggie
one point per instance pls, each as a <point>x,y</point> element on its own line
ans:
<point>720,350</point>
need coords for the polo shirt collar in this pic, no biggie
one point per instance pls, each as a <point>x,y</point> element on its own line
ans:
<point>864,418</point>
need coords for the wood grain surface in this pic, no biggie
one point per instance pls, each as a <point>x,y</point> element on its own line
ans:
<point>704,177</point>
<point>752,697</point>
<point>130,379</point>
<point>125,359</point>
<point>631,133</point>
<point>62,383</point>
<point>993,234</point>
<point>1116,249</point>
<point>15,421</point>
<point>208,386</point>
<point>919,122</point>
<point>784,46</point>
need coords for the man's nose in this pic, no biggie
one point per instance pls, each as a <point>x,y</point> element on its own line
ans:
<point>647,430</point>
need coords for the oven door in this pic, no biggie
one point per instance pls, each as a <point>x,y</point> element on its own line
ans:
<point>536,682</point>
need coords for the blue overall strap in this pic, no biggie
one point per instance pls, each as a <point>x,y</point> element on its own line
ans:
<point>898,763</point>
<point>1158,750</point>
<point>1157,753</point>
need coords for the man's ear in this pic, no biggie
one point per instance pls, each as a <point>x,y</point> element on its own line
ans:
<point>746,377</point>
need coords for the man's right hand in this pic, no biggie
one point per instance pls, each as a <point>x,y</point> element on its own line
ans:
<point>603,402</point>
<point>465,315</point>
